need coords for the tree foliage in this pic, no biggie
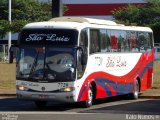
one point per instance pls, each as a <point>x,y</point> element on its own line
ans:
<point>17,25</point>
<point>23,12</point>
<point>146,15</point>
<point>4,28</point>
<point>29,10</point>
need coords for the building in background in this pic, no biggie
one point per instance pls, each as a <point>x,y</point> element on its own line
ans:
<point>4,46</point>
<point>97,8</point>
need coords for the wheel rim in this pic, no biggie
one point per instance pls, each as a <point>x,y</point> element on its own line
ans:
<point>90,96</point>
<point>136,91</point>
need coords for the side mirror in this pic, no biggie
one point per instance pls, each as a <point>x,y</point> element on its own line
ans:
<point>84,59</point>
<point>12,48</point>
<point>83,55</point>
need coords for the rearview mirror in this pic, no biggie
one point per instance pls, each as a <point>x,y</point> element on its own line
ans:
<point>83,56</point>
<point>11,50</point>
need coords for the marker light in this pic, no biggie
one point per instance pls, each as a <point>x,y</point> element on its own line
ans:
<point>22,88</point>
<point>67,89</point>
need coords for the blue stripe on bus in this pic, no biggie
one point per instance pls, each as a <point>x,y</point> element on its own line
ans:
<point>119,88</point>
<point>81,93</point>
<point>145,69</point>
<point>102,82</point>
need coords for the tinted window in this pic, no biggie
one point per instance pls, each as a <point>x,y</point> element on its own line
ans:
<point>105,40</point>
<point>115,43</point>
<point>133,42</point>
<point>144,41</point>
<point>83,43</point>
<point>94,41</point>
<point>123,41</point>
<point>83,38</point>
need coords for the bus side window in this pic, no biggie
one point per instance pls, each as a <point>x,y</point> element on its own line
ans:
<point>114,41</point>
<point>141,40</point>
<point>144,41</point>
<point>83,43</point>
<point>150,35</point>
<point>83,38</point>
<point>105,40</point>
<point>123,42</point>
<point>94,41</point>
<point>133,42</point>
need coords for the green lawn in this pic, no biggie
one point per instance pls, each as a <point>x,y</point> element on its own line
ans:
<point>156,77</point>
<point>7,76</point>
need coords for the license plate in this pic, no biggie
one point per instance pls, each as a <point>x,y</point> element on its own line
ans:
<point>43,96</point>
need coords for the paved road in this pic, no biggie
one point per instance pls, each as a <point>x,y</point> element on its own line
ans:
<point>112,108</point>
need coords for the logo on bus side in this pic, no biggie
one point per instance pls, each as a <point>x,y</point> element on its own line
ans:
<point>116,61</point>
<point>47,37</point>
<point>98,61</point>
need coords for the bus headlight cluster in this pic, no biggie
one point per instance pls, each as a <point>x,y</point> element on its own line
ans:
<point>22,88</point>
<point>67,89</point>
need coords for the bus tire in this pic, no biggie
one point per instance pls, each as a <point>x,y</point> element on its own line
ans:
<point>136,90</point>
<point>89,101</point>
<point>40,104</point>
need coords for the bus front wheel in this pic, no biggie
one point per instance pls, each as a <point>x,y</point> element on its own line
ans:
<point>89,101</point>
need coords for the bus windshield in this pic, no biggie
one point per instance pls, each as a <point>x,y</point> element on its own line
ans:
<point>46,64</point>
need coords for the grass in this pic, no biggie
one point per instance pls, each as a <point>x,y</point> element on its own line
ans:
<point>156,76</point>
<point>8,77</point>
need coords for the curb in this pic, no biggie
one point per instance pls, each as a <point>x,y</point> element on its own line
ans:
<point>149,97</point>
<point>1,95</point>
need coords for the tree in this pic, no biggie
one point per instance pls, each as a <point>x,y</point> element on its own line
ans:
<point>29,10</point>
<point>126,15</point>
<point>3,9</point>
<point>17,25</point>
<point>23,12</point>
<point>4,28</point>
<point>147,15</point>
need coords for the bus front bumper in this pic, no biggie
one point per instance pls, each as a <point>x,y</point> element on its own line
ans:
<point>68,97</point>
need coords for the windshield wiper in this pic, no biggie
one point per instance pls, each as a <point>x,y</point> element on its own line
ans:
<point>33,66</point>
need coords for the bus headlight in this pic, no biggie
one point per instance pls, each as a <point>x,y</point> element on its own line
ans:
<point>67,89</point>
<point>22,88</point>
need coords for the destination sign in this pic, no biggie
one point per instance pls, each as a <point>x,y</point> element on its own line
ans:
<point>48,37</point>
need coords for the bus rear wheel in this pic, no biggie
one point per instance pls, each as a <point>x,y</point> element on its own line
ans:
<point>135,93</point>
<point>40,104</point>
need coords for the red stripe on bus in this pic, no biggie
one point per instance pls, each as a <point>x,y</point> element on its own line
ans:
<point>93,9</point>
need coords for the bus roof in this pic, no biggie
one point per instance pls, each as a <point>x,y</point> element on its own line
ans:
<point>81,22</point>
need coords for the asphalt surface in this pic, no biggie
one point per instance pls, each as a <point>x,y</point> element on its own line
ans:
<point>115,108</point>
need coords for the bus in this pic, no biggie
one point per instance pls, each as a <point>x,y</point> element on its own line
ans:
<point>76,59</point>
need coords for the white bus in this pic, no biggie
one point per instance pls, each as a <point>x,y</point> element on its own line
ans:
<point>73,59</point>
